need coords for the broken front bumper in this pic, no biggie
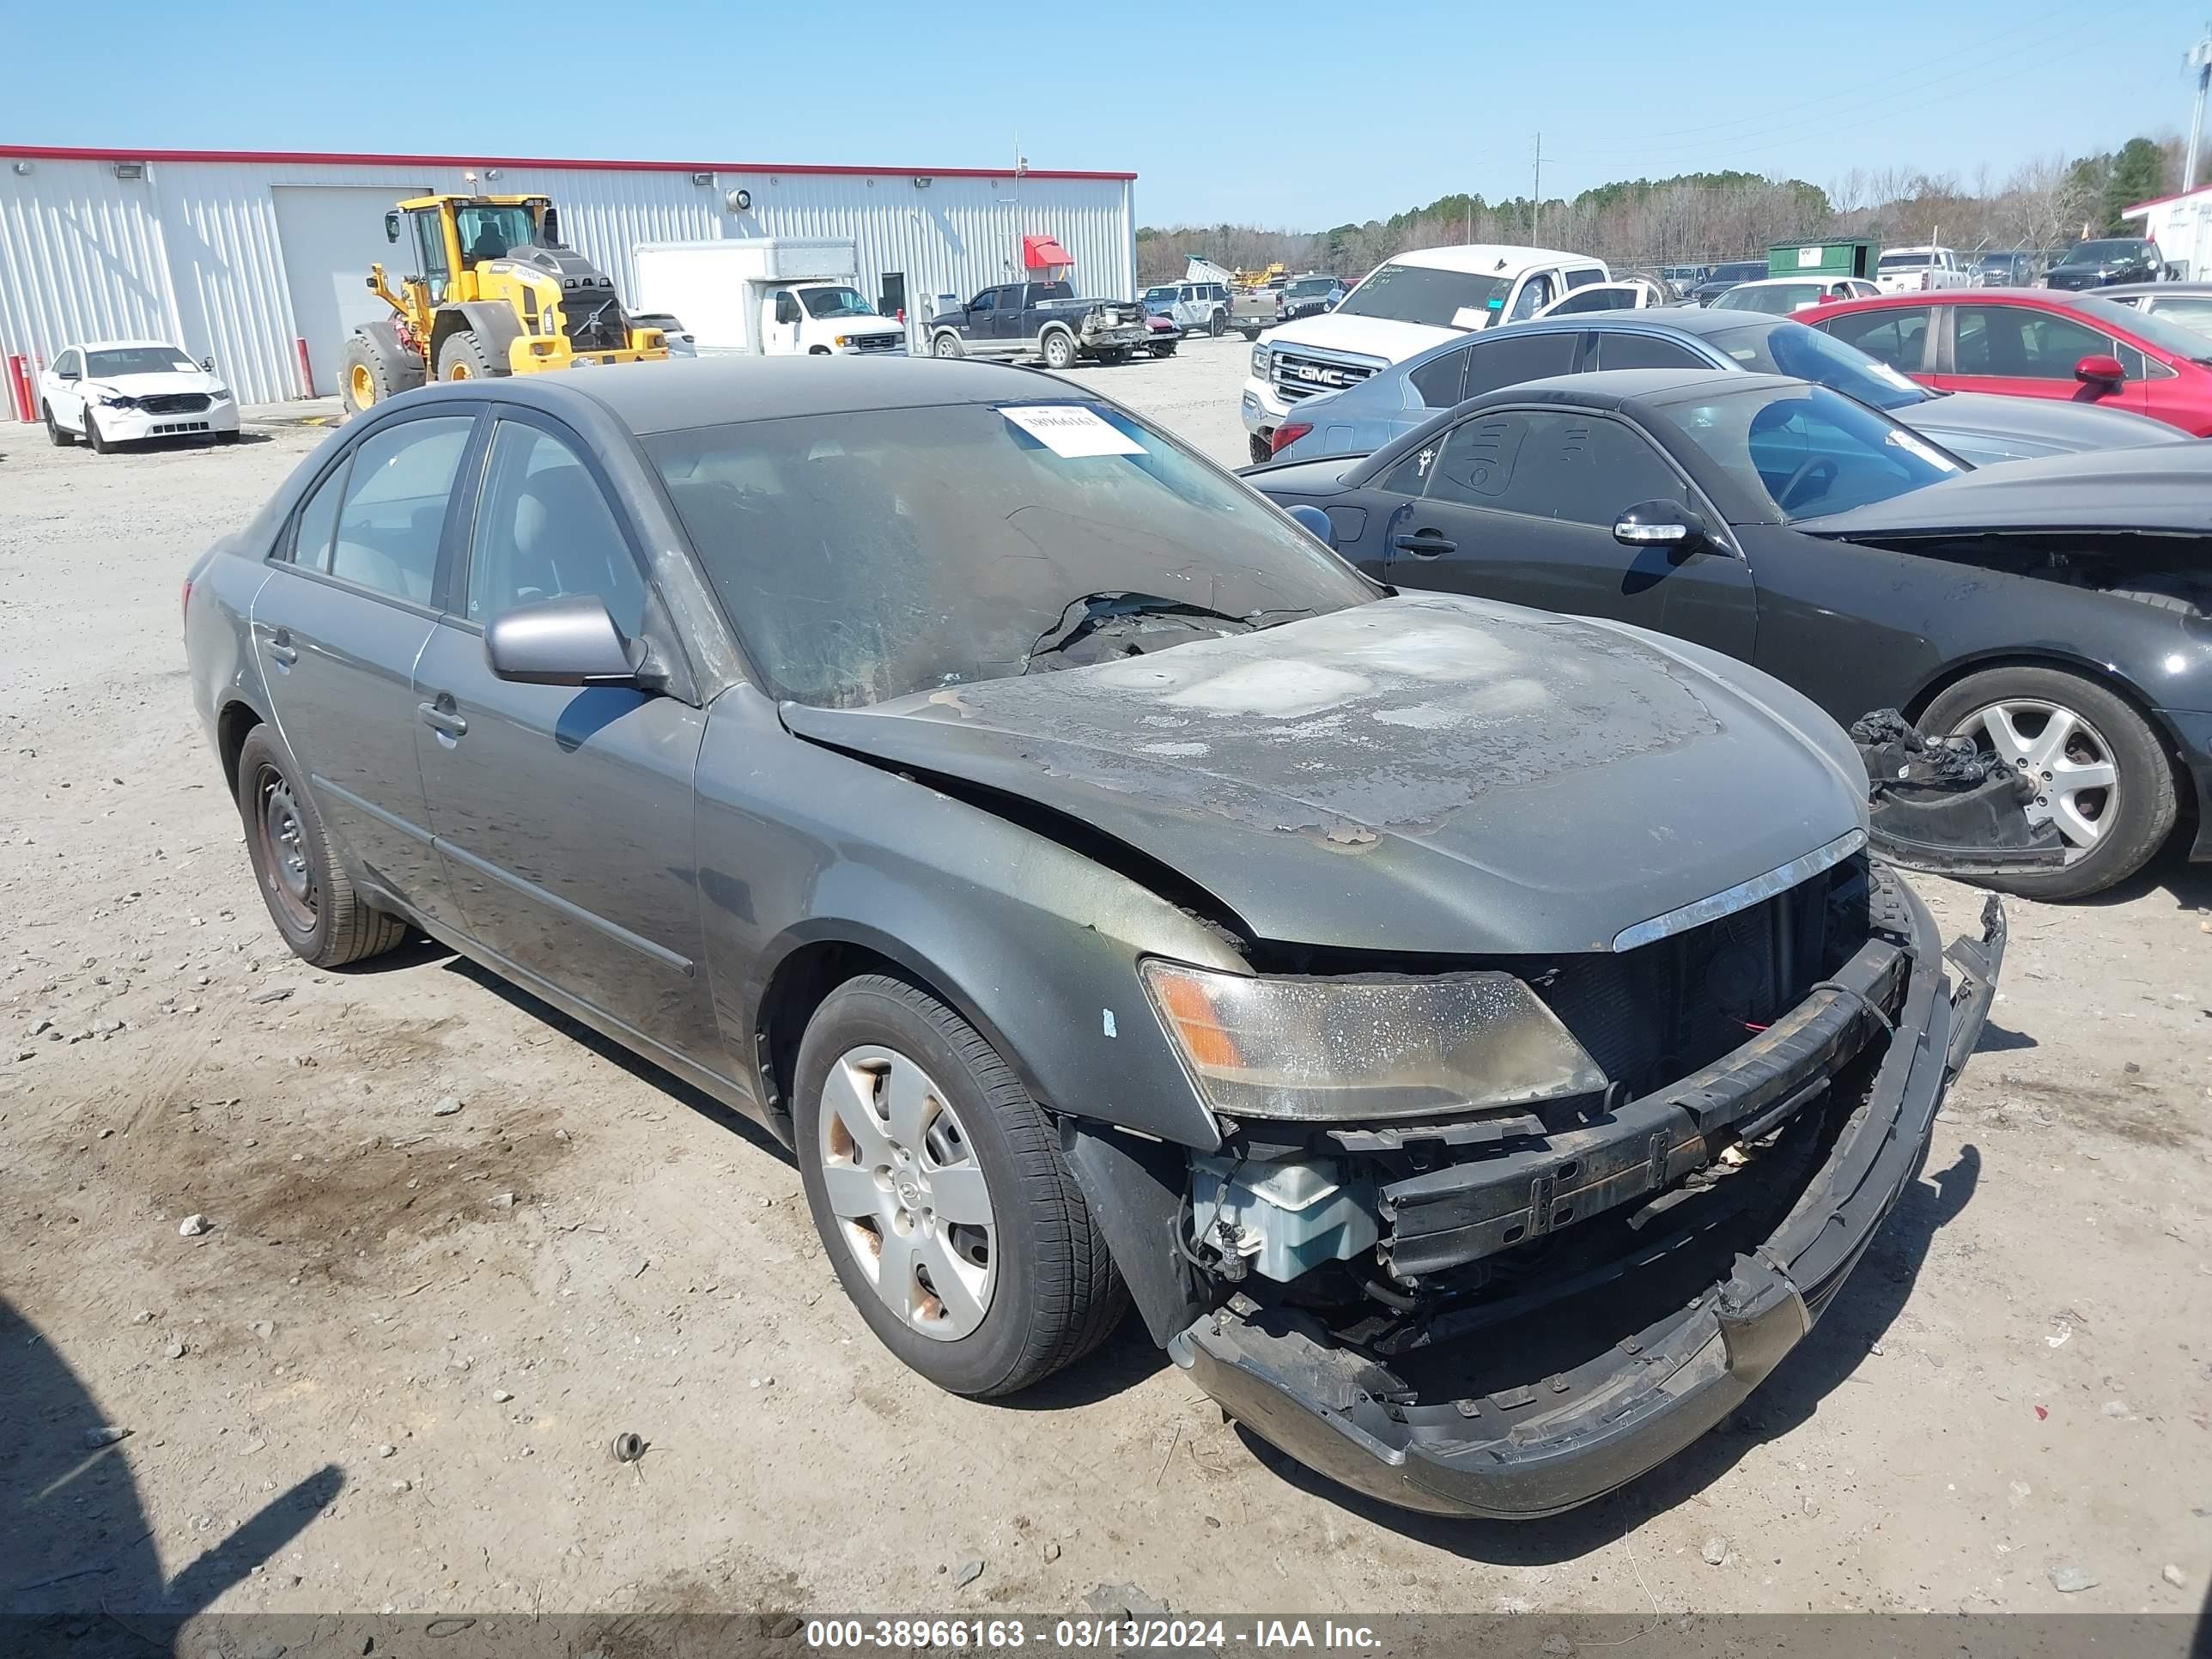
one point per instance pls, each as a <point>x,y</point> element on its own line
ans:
<point>1577,1435</point>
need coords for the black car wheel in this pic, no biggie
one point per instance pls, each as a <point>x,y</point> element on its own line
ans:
<point>2099,772</point>
<point>55,435</point>
<point>938,1190</point>
<point>1059,348</point>
<point>101,443</point>
<point>945,345</point>
<point>1263,452</point>
<point>307,890</point>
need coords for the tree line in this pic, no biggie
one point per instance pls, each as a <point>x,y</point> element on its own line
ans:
<point>1705,218</point>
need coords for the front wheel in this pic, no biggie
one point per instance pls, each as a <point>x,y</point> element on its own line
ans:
<point>55,435</point>
<point>1164,348</point>
<point>101,443</point>
<point>1059,350</point>
<point>464,356</point>
<point>2099,773</point>
<point>1249,333</point>
<point>1262,451</point>
<point>938,1188</point>
<point>945,345</point>
<point>1216,326</point>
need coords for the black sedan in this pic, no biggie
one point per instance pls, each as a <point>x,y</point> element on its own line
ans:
<point>2058,611</point>
<point>1106,893</point>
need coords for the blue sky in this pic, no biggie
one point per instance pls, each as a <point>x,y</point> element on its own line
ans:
<point>1330,112</point>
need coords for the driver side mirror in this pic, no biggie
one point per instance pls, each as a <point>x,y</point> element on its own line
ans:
<point>392,226</point>
<point>2099,370</point>
<point>564,642</point>
<point>207,365</point>
<point>1315,524</point>
<point>1675,525</point>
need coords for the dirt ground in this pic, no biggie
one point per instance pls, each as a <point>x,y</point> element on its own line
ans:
<point>388,1378</point>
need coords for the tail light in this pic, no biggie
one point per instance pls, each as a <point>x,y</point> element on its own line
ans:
<point>1287,434</point>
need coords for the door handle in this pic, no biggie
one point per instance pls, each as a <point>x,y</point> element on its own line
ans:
<point>1424,544</point>
<point>442,718</point>
<point>282,648</point>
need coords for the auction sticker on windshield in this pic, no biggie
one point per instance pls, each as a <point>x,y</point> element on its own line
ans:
<point>1071,430</point>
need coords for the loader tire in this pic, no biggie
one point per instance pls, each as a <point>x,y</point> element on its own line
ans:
<point>464,356</point>
<point>369,372</point>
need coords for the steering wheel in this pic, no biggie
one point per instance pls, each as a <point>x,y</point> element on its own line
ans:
<point>1807,470</point>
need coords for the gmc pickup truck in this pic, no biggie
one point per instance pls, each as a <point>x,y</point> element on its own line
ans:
<point>1039,320</point>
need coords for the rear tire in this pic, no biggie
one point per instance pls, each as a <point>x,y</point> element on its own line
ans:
<point>1164,348</point>
<point>465,356</point>
<point>2132,817</point>
<point>1052,1293</point>
<point>1216,326</point>
<point>309,897</point>
<point>1058,350</point>
<point>55,435</point>
<point>1249,333</point>
<point>369,372</point>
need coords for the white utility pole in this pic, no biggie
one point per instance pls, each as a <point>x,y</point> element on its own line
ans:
<point>2199,58</point>
<point>1536,201</point>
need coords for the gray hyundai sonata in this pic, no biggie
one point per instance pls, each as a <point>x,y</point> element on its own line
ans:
<point>1476,1039</point>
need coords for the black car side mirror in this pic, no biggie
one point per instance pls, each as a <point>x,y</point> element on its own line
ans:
<point>564,642</point>
<point>208,365</point>
<point>1316,523</point>
<point>1675,525</point>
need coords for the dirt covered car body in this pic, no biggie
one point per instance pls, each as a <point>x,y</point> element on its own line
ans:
<point>1105,890</point>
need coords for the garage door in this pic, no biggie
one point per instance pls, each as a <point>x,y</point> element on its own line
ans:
<point>329,235</point>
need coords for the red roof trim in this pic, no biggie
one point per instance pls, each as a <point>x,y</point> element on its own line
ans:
<point>333,158</point>
<point>2160,201</point>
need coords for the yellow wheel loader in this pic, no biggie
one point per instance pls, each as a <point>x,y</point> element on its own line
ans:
<point>496,292</point>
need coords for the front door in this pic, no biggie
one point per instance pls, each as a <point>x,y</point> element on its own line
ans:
<point>564,813</point>
<point>2024,351</point>
<point>780,318</point>
<point>1520,505</point>
<point>339,626</point>
<point>66,399</point>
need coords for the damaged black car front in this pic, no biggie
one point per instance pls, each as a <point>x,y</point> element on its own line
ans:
<point>1482,1037</point>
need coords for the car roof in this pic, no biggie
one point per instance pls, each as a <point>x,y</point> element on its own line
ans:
<point>1695,321</point>
<point>695,391</point>
<point>2154,289</point>
<point>1489,256</point>
<point>1630,388</point>
<point>126,345</point>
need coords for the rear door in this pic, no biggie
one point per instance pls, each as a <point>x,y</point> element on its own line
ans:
<point>339,625</point>
<point>563,813</point>
<point>2025,351</point>
<point>1520,505</point>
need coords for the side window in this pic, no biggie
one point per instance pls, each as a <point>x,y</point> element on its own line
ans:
<point>1510,359</point>
<point>1623,350</point>
<point>1439,380</point>
<point>1536,293</point>
<point>393,506</point>
<point>544,531</point>
<point>2017,343</point>
<point>430,252</point>
<point>67,366</point>
<point>786,306</point>
<point>1898,336</point>
<point>1562,464</point>
<point>1583,279</point>
<point>983,300</point>
<point>311,537</point>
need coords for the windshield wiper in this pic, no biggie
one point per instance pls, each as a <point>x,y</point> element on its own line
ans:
<point>1087,611</point>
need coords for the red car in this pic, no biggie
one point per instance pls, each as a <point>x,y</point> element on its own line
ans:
<point>2034,342</point>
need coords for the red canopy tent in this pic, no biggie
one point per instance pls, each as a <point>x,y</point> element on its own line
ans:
<point>1041,253</point>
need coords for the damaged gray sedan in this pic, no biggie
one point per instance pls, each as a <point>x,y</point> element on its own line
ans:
<point>1476,1039</point>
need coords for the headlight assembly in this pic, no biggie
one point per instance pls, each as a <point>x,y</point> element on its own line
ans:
<point>1337,1049</point>
<point>1260,362</point>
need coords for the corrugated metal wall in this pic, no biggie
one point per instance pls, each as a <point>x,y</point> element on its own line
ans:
<point>191,251</point>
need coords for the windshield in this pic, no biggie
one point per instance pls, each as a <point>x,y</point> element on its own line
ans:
<point>138,360</point>
<point>2150,328</point>
<point>1749,271</point>
<point>1419,294</point>
<point>864,556</point>
<point>492,233</point>
<point>2093,253</point>
<point>1158,295</point>
<point>1807,354</point>
<point>1311,286</point>
<point>835,302</point>
<point>1904,261</point>
<point>1807,450</point>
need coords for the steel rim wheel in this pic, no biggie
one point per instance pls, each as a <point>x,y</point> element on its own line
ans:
<point>906,1194</point>
<point>283,838</point>
<point>2077,783</point>
<point>364,385</point>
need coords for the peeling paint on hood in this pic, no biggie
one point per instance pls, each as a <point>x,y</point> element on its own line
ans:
<point>1425,773</point>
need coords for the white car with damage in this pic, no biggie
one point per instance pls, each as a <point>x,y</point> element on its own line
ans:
<point>118,392</point>
<point>1406,304</point>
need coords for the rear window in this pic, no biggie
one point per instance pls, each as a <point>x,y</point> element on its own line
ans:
<point>1904,261</point>
<point>864,556</point>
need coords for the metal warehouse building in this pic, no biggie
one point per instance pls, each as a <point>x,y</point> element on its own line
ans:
<point>259,259</point>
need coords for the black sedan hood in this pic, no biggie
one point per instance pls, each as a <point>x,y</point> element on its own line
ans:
<point>1423,775</point>
<point>2160,488</point>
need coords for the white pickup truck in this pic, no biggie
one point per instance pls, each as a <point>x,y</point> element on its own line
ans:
<point>1405,305</point>
<point>1917,269</point>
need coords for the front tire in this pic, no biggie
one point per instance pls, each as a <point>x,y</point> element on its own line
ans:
<point>1249,333</point>
<point>101,443</point>
<point>938,1187</point>
<point>309,897</point>
<point>2101,772</point>
<point>55,435</point>
<point>947,346</point>
<point>464,356</point>
<point>1216,326</point>
<point>1059,350</point>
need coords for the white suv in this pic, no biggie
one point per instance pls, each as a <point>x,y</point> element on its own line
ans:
<point>1405,305</point>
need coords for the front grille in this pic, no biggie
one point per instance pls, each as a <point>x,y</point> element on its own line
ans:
<point>1297,372</point>
<point>174,403</point>
<point>1661,1010</point>
<point>879,342</point>
<point>594,320</point>
<point>170,427</point>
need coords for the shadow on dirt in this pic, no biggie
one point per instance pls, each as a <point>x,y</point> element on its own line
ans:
<point>78,1551</point>
<point>1874,1294</point>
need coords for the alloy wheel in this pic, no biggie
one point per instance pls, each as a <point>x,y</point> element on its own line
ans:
<point>2077,785</point>
<point>909,1196</point>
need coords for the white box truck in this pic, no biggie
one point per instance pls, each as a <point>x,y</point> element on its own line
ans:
<point>777,296</point>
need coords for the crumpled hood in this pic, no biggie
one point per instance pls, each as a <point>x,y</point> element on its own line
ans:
<point>162,384</point>
<point>1425,774</point>
<point>1363,337</point>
